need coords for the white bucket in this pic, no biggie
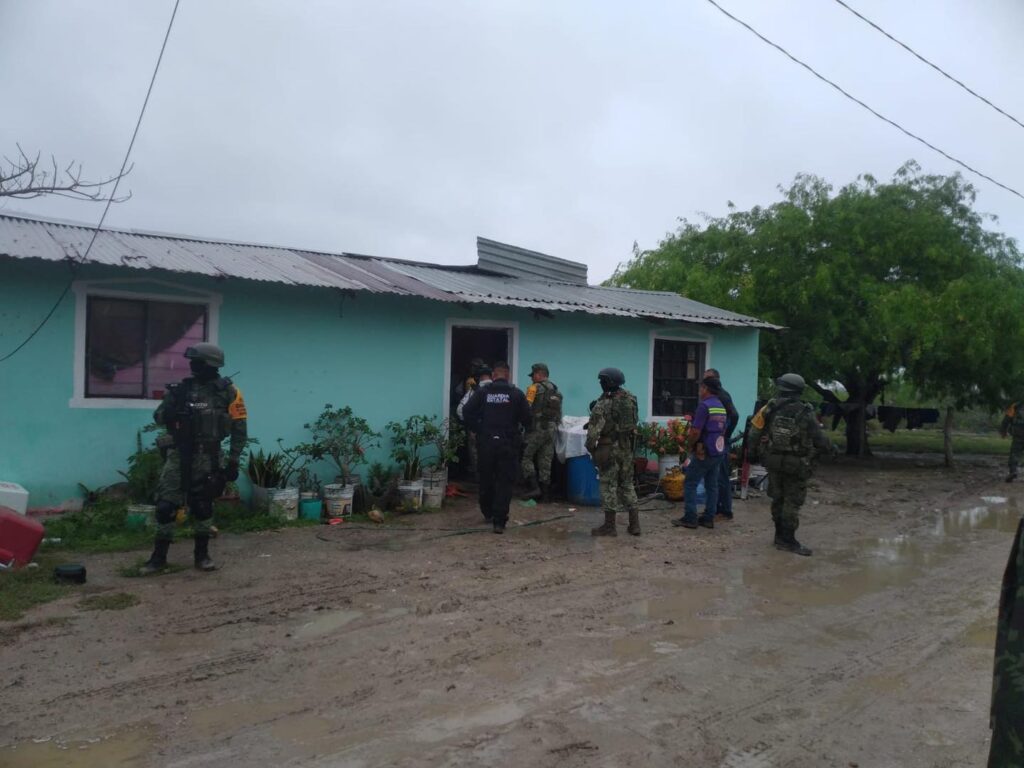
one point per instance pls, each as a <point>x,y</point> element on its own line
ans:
<point>665,463</point>
<point>433,497</point>
<point>411,495</point>
<point>145,511</point>
<point>435,478</point>
<point>338,499</point>
<point>284,503</point>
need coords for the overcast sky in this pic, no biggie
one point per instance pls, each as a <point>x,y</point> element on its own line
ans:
<point>405,129</point>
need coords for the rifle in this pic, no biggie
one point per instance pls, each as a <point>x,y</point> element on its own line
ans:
<point>181,428</point>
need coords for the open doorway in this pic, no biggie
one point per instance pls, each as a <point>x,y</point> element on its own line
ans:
<point>469,342</point>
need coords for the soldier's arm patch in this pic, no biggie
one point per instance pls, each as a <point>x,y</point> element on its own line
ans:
<point>758,421</point>
<point>237,408</point>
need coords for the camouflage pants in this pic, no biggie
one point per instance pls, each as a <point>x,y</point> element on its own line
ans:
<point>788,493</point>
<point>170,494</point>
<point>540,448</point>
<point>1016,454</point>
<point>1007,718</point>
<point>616,482</point>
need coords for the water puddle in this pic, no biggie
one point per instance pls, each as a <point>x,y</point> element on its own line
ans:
<point>326,622</point>
<point>556,533</point>
<point>681,619</point>
<point>999,517</point>
<point>492,716</point>
<point>125,748</point>
<point>981,633</point>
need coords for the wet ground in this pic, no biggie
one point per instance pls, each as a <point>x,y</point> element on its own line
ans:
<point>425,644</point>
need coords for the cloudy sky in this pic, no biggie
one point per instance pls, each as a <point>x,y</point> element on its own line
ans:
<point>575,128</point>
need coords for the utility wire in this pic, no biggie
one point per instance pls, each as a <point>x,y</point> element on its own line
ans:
<point>936,67</point>
<point>76,263</point>
<point>874,112</point>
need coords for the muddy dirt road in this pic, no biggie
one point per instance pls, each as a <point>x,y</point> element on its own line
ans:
<point>544,647</point>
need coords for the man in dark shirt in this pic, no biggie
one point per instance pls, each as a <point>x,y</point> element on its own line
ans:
<point>725,469</point>
<point>497,414</point>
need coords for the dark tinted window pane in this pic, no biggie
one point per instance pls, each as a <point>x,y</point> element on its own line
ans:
<point>677,368</point>
<point>172,329</point>
<point>115,348</point>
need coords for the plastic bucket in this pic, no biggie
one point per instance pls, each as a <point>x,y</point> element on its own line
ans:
<point>140,516</point>
<point>338,499</point>
<point>411,495</point>
<point>284,503</point>
<point>310,509</point>
<point>667,462</point>
<point>582,486</point>
<point>433,497</point>
<point>435,478</point>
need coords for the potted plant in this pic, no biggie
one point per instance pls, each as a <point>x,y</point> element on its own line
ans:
<point>270,473</point>
<point>669,443</point>
<point>446,441</point>
<point>381,486</point>
<point>310,505</point>
<point>142,478</point>
<point>409,440</point>
<point>341,437</point>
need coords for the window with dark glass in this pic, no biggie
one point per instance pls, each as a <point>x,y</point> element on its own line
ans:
<point>134,347</point>
<point>676,376</point>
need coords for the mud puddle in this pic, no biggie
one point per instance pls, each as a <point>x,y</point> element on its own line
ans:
<point>123,748</point>
<point>326,622</point>
<point>674,621</point>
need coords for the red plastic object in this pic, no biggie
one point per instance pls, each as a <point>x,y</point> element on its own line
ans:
<point>20,537</point>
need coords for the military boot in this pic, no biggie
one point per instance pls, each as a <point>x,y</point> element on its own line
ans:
<point>634,522</point>
<point>158,560</point>
<point>202,554</point>
<point>608,529</point>
<point>778,534</point>
<point>790,544</point>
<point>534,491</point>
<point>1011,477</point>
<point>545,493</point>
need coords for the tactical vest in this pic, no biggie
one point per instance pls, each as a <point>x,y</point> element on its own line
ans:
<point>786,435</point>
<point>547,404</point>
<point>623,417</point>
<point>201,412</point>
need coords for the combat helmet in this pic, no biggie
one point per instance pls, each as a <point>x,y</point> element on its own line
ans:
<point>611,378</point>
<point>209,353</point>
<point>543,367</point>
<point>791,384</point>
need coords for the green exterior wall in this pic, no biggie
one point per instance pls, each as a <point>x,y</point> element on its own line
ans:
<point>295,349</point>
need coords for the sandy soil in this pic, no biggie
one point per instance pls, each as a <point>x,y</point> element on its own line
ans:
<point>544,647</point>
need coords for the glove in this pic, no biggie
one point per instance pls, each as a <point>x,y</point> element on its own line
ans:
<point>231,471</point>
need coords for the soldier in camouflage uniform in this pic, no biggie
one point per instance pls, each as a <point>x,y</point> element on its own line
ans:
<point>794,438</point>
<point>1013,425</point>
<point>610,435</point>
<point>1007,715</point>
<point>199,413</point>
<point>546,409</point>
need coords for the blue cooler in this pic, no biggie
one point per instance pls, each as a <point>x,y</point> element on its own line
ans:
<point>581,482</point>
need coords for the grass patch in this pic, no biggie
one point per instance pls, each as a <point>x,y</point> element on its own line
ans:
<point>929,441</point>
<point>100,527</point>
<point>25,588</point>
<point>117,601</point>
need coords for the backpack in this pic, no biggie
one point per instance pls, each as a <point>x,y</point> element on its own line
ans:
<point>548,405</point>
<point>786,433</point>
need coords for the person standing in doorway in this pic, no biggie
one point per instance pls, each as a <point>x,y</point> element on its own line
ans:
<point>794,440</point>
<point>497,414</point>
<point>482,377</point>
<point>610,434</point>
<point>546,414</point>
<point>1013,426</point>
<point>725,468</point>
<point>705,446</point>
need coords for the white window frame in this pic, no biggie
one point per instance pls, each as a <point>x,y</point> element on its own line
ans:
<point>684,335</point>
<point>129,289</point>
<point>502,325</point>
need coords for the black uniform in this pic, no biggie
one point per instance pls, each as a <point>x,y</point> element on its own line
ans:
<point>497,413</point>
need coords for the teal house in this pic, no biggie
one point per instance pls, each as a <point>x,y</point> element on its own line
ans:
<point>89,346</point>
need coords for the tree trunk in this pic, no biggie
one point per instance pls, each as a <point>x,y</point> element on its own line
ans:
<point>947,436</point>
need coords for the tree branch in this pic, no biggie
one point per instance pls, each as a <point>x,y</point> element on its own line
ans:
<point>23,178</point>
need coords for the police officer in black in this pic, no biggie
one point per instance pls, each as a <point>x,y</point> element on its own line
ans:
<point>498,414</point>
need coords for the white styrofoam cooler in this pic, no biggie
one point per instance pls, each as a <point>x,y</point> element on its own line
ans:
<point>14,497</point>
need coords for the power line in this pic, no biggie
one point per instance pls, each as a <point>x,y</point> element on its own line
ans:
<point>874,112</point>
<point>936,67</point>
<point>75,264</point>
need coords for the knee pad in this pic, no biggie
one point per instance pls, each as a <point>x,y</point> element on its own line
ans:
<point>165,512</point>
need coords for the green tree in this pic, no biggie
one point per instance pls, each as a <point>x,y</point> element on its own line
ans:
<point>870,281</point>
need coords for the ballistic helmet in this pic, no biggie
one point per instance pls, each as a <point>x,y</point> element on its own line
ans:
<point>790,384</point>
<point>540,367</point>
<point>209,353</point>
<point>613,376</point>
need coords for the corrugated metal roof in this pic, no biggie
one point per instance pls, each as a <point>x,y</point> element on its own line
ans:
<point>31,238</point>
<point>513,261</point>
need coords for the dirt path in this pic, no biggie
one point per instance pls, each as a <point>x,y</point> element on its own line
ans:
<point>544,647</point>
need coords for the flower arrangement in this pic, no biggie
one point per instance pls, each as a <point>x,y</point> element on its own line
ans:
<point>668,440</point>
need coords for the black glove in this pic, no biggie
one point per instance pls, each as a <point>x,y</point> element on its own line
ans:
<point>231,471</point>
